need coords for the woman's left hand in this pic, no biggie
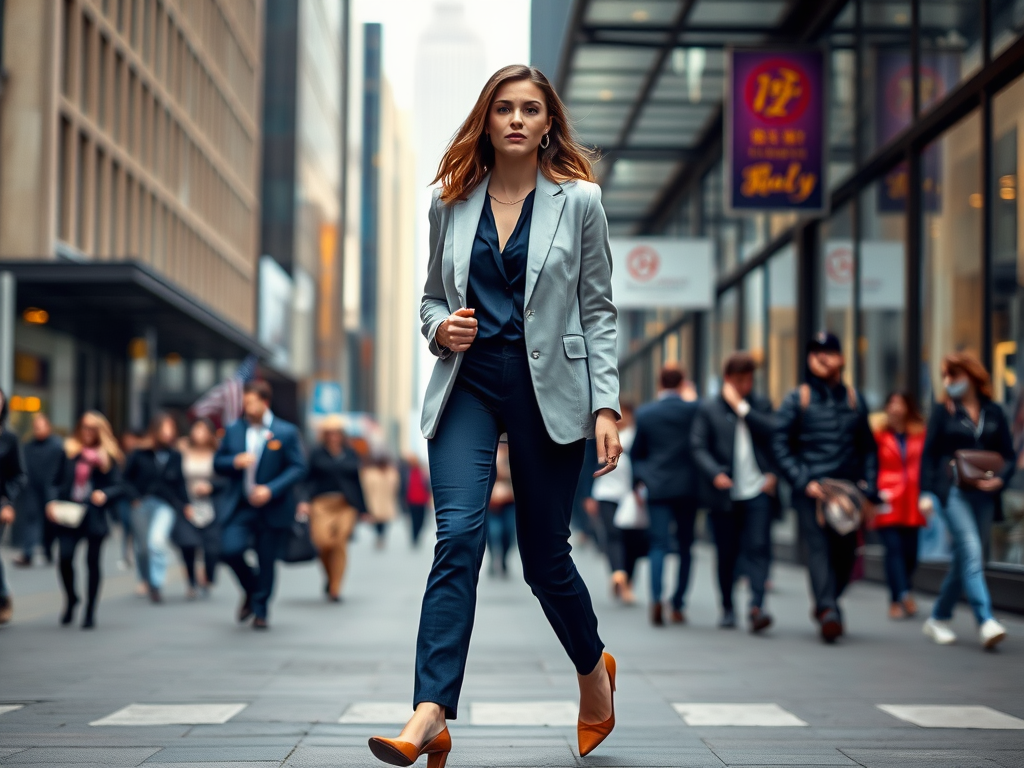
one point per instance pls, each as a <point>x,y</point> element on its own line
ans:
<point>98,498</point>
<point>608,446</point>
<point>990,484</point>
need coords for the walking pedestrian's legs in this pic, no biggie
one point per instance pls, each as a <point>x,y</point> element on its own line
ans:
<point>158,542</point>
<point>417,514</point>
<point>895,562</point>
<point>236,537</point>
<point>756,545</point>
<point>660,514</point>
<point>819,566</point>
<point>727,529</point>
<point>967,571</point>
<point>684,512</point>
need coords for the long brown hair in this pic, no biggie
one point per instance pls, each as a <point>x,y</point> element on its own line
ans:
<point>968,363</point>
<point>107,442</point>
<point>470,155</point>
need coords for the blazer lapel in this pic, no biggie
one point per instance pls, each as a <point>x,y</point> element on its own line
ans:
<point>547,209</point>
<point>466,219</point>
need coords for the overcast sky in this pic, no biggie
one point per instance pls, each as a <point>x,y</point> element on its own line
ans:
<point>503,26</point>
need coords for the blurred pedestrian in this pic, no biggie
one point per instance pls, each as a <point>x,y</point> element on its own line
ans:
<point>898,519</point>
<point>663,465</point>
<point>823,435</point>
<point>130,440</point>
<point>12,481</point>
<point>501,514</point>
<point>968,457</point>
<point>611,492</point>
<point>525,336</point>
<point>336,501</point>
<point>732,445</point>
<point>90,481</point>
<point>197,528</point>
<point>380,482</point>
<point>417,496</point>
<point>261,456</point>
<point>155,481</point>
<point>44,456</point>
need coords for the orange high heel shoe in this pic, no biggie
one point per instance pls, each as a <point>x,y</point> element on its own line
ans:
<point>590,735</point>
<point>402,753</point>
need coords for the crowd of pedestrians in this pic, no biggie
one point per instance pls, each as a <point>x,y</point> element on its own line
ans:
<point>846,481</point>
<point>213,497</point>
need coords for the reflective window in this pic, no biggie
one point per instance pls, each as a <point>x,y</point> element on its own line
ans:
<point>837,270</point>
<point>951,304</point>
<point>950,42</point>
<point>754,325</point>
<point>1007,23</point>
<point>726,326</point>
<point>783,363</point>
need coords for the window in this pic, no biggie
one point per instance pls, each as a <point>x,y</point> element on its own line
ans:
<point>882,359</point>
<point>99,176</point>
<point>837,269</point>
<point>67,71</point>
<point>79,201</point>
<point>85,71</point>
<point>116,202</point>
<point>726,332</point>
<point>1007,24</point>
<point>104,73</point>
<point>63,181</point>
<point>754,325</point>
<point>118,95</point>
<point>783,359</point>
<point>952,304</point>
<point>950,42</point>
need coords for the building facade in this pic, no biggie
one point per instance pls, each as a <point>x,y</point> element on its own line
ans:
<point>129,180</point>
<point>921,251</point>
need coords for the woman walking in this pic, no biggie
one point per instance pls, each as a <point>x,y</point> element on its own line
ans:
<point>156,483</point>
<point>381,481</point>
<point>417,497</point>
<point>90,478</point>
<point>336,501</point>
<point>517,307</point>
<point>966,419</point>
<point>197,528</point>
<point>12,482</point>
<point>899,518</point>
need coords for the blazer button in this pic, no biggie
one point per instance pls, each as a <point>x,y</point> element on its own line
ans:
<point>535,354</point>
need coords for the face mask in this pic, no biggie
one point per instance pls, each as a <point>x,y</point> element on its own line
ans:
<point>957,389</point>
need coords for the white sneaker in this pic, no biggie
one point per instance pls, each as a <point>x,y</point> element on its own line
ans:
<point>939,631</point>
<point>992,633</point>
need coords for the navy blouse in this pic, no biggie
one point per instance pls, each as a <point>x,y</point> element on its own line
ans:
<point>497,279</point>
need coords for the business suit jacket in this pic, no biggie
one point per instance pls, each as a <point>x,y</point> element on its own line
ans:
<point>281,466</point>
<point>568,316</point>
<point>144,476</point>
<point>713,442</point>
<point>661,455</point>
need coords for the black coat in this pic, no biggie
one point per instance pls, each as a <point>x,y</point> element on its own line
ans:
<point>952,432</point>
<point>828,438</point>
<point>661,455</point>
<point>44,460</point>
<point>144,476</point>
<point>12,473</point>
<point>95,523</point>
<point>335,474</point>
<point>713,441</point>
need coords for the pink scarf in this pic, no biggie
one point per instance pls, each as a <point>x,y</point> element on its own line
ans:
<point>87,459</point>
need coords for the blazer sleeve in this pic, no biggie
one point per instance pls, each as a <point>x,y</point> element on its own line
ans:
<point>294,467</point>
<point>700,434</point>
<point>597,312</point>
<point>434,304</point>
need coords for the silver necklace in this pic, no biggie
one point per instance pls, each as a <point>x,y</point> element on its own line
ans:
<point>517,202</point>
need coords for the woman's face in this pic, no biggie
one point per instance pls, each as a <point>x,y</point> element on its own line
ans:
<point>200,434</point>
<point>333,440</point>
<point>896,409</point>
<point>518,119</point>
<point>90,433</point>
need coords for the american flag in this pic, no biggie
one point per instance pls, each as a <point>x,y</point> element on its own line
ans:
<point>223,403</point>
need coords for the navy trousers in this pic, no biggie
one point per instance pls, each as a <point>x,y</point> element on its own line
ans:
<point>244,530</point>
<point>494,394</point>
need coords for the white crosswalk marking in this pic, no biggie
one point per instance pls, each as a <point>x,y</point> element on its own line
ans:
<point>767,715</point>
<point>5,708</point>
<point>931,716</point>
<point>550,713</point>
<point>377,712</point>
<point>172,714</point>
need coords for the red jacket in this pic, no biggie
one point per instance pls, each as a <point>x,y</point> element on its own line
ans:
<point>899,481</point>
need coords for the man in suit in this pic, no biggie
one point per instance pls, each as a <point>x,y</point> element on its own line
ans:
<point>262,457</point>
<point>732,446</point>
<point>662,464</point>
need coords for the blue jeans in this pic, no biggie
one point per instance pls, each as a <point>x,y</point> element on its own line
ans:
<point>744,544</point>
<point>160,516</point>
<point>663,512</point>
<point>492,395</point>
<point>900,558</point>
<point>966,514</point>
<point>501,535</point>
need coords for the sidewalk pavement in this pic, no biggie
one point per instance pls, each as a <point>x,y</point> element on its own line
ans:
<point>325,677</point>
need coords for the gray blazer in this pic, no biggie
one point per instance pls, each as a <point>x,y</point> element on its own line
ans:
<point>569,318</point>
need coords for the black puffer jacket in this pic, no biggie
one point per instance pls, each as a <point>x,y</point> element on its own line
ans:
<point>828,438</point>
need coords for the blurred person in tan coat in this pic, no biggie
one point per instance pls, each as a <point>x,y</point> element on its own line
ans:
<point>381,481</point>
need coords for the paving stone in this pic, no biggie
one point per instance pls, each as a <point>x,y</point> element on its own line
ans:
<point>110,756</point>
<point>761,715</point>
<point>925,758</point>
<point>786,757</point>
<point>171,714</point>
<point>176,754</point>
<point>928,716</point>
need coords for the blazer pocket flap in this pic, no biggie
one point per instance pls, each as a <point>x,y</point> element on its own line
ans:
<point>575,346</point>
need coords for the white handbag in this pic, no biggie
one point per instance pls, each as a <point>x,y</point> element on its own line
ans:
<point>67,513</point>
<point>630,514</point>
<point>202,513</point>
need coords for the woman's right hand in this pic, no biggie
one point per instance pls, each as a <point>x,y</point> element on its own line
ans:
<point>458,330</point>
<point>926,505</point>
<point>202,488</point>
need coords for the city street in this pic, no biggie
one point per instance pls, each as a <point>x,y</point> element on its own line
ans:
<point>325,677</point>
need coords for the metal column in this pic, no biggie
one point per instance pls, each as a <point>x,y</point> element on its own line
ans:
<point>8,316</point>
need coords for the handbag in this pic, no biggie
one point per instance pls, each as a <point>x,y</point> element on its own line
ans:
<point>202,513</point>
<point>298,547</point>
<point>971,467</point>
<point>67,513</point>
<point>631,514</point>
<point>843,506</point>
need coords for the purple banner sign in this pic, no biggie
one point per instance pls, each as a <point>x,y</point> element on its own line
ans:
<point>775,134</point>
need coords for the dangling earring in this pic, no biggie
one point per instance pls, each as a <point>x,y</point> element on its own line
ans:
<point>545,141</point>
